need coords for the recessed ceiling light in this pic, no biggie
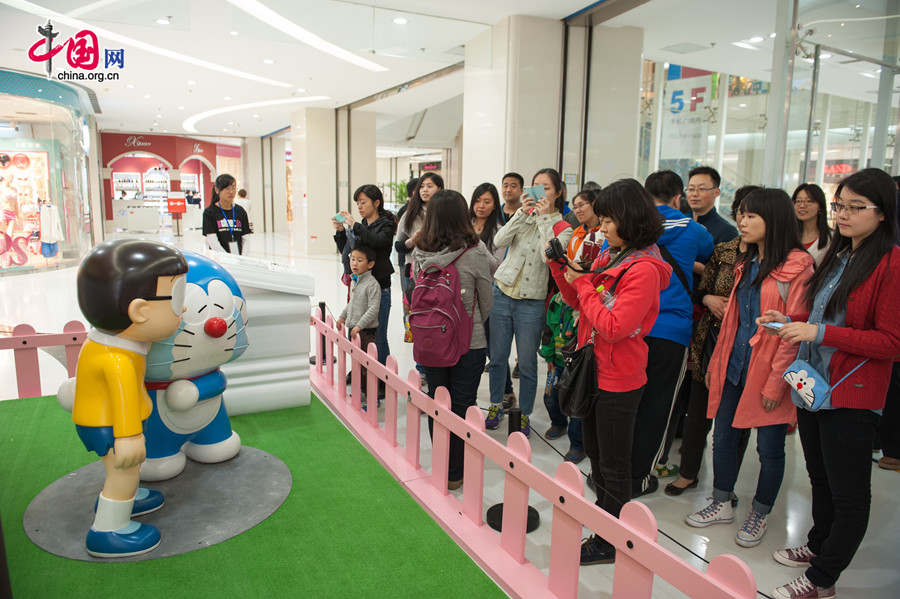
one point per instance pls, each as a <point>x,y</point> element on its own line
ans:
<point>233,32</point>
<point>301,90</point>
<point>842,24</point>
<point>230,123</point>
<point>191,82</point>
<point>130,86</point>
<point>773,34</point>
<point>146,96</point>
<point>155,124</point>
<point>276,21</point>
<point>268,61</point>
<point>164,21</point>
<point>400,21</point>
<point>256,116</point>
<point>756,39</point>
<point>226,98</point>
<point>159,116</point>
<point>742,106</point>
<point>181,108</point>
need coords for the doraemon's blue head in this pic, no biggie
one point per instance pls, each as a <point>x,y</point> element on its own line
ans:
<point>213,327</point>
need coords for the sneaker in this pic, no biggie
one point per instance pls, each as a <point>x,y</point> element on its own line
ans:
<point>794,557</point>
<point>509,401</point>
<point>525,427</point>
<point>555,432</point>
<point>595,550</point>
<point>803,588</point>
<point>575,456</point>
<point>753,530</point>
<point>495,415</point>
<point>650,486</point>
<point>717,512</point>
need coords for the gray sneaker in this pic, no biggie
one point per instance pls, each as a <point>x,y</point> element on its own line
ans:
<point>509,401</point>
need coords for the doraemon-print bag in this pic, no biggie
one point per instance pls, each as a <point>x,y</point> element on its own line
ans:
<point>809,385</point>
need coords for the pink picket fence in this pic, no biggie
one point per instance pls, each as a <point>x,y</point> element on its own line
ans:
<point>25,343</point>
<point>638,558</point>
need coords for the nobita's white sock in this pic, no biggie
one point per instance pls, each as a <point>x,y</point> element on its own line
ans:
<point>112,514</point>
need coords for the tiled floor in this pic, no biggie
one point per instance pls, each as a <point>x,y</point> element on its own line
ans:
<point>47,301</point>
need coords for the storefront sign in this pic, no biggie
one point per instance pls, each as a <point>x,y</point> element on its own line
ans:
<point>198,149</point>
<point>176,203</point>
<point>685,130</point>
<point>136,141</point>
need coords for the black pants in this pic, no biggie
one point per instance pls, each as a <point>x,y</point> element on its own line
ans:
<point>837,445</point>
<point>679,413</point>
<point>889,430</point>
<point>366,336</point>
<point>608,429</point>
<point>461,380</point>
<point>696,429</point>
<point>666,361</point>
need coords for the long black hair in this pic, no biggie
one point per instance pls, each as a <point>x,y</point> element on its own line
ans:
<point>774,206</point>
<point>815,193</point>
<point>878,187</point>
<point>492,223</point>
<point>447,223</point>
<point>222,181</point>
<point>628,204</point>
<point>374,194</point>
<point>415,203</point>
<point>739,195</point>
<point>557,183</point>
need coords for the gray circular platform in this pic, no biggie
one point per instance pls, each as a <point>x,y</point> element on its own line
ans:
<point>205,505</point>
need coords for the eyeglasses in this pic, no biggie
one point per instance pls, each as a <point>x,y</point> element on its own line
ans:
<point>799,202</point>
<point>700,189</point>
<point>851,209</point>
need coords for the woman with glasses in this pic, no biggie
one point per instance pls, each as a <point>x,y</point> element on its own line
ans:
<point>812,217</point>
<point>744,374</point>
<point>848,324</point>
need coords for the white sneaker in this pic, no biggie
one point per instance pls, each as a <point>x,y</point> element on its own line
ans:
<point>753,530</point>
<point>803,588</point>
<point>795,557</point>
<point>717,512</point>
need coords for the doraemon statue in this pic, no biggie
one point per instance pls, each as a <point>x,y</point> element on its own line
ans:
<point>183,377</point>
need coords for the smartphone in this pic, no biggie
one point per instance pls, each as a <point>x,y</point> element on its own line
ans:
<point>774,325</point>
<point>535,191</point>
<point>339,218</point>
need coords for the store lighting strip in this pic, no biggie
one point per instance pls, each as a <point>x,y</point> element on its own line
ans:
<point>276,21</point>
<point>190,123</point>
<point>46,13</point>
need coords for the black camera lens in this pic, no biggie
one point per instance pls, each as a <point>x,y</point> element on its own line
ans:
<point>555,251</point>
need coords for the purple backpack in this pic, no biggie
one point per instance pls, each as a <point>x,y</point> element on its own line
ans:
<point>441,327</point>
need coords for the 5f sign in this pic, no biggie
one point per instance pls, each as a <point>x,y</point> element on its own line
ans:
<point>677,99</point>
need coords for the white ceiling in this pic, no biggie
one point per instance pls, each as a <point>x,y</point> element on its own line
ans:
<point>152,85</point>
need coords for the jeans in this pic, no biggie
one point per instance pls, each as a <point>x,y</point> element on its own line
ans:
<point>487,333</point>
<point>384,312</point>
<point>523,318</point>
<point>461,380</point>
<point>837,445</point>
<point>726,462</point>
<point>557,418</point>
<point>608,432</point>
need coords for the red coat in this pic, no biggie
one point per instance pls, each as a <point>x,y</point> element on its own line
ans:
<point>872,330</point>
<point>770,356</point>
<point>621,355</point>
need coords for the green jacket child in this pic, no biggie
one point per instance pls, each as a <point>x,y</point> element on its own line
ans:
<point>562,325</point>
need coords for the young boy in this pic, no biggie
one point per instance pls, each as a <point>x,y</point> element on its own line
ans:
<point>360,316</point>
<point>561,328</point>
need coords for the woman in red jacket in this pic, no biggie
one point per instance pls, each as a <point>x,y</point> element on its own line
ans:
<point>850,316</point>
<point>744,374</point>
<point>619,302</point>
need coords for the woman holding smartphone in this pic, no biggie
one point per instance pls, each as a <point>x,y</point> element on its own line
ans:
<point>618,301</point>
<point>847,324</point>
<point>812,216</point>
<point>744,374</point>
<point>520,291</point>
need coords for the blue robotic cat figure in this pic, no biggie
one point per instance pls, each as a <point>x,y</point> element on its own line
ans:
<point>183,377</point>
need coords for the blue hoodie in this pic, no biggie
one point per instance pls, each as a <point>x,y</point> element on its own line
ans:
<point>688,241</point>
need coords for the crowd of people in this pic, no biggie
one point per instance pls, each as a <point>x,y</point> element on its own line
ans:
<point>777,324</point>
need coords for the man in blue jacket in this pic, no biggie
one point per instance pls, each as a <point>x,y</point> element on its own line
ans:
<point>684,242</point>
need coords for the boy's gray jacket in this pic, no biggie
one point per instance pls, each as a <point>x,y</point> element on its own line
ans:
<point>365,299</point>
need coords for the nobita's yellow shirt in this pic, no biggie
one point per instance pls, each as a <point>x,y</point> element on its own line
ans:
<point>109,384</point>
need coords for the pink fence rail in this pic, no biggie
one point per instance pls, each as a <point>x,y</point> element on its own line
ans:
<point>638,556</point>
<point>25,343</point>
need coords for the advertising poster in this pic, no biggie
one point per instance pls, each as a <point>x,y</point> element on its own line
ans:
<point>685,132</point>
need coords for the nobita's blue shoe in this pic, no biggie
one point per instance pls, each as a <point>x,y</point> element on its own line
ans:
<point>134,539</point>
<point>145,501</point>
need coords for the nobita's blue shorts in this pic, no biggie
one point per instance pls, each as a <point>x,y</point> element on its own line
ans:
<point>99,439</point>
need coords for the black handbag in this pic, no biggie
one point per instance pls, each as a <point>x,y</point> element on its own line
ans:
<point>578,381</point>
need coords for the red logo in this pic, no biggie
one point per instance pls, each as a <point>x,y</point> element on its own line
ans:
<point>83,50</point>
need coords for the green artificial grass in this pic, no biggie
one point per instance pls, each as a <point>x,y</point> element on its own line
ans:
<point>347,529</point>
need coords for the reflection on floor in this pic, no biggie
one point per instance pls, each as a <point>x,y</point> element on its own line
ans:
<point>47,301</point>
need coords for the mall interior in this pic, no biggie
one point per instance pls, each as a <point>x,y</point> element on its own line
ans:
<point>121,132</point>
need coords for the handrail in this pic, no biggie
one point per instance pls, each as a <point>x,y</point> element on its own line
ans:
<point>25,343</point>
<point>638,556</point>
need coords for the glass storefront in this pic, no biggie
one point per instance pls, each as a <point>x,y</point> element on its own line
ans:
<point>45,212</point>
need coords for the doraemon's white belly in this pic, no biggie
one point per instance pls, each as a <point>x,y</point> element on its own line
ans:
<point>185,422</point>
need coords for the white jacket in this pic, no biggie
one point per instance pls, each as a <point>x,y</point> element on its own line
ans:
<point>526,235</point>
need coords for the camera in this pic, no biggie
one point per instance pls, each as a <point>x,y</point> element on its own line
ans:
<point>555,251</point>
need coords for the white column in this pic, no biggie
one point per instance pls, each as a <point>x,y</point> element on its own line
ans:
<point>823,141</point>
<point>723,123</point>
<point>779,94</point>
<point>362,149</point>
<point>511,101</point>
<point>251,165</point>
<point>314,174</point>
<point>279,184</point>
<point>659,83</point>
<point>614,104</point>
<point>866,137</point>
